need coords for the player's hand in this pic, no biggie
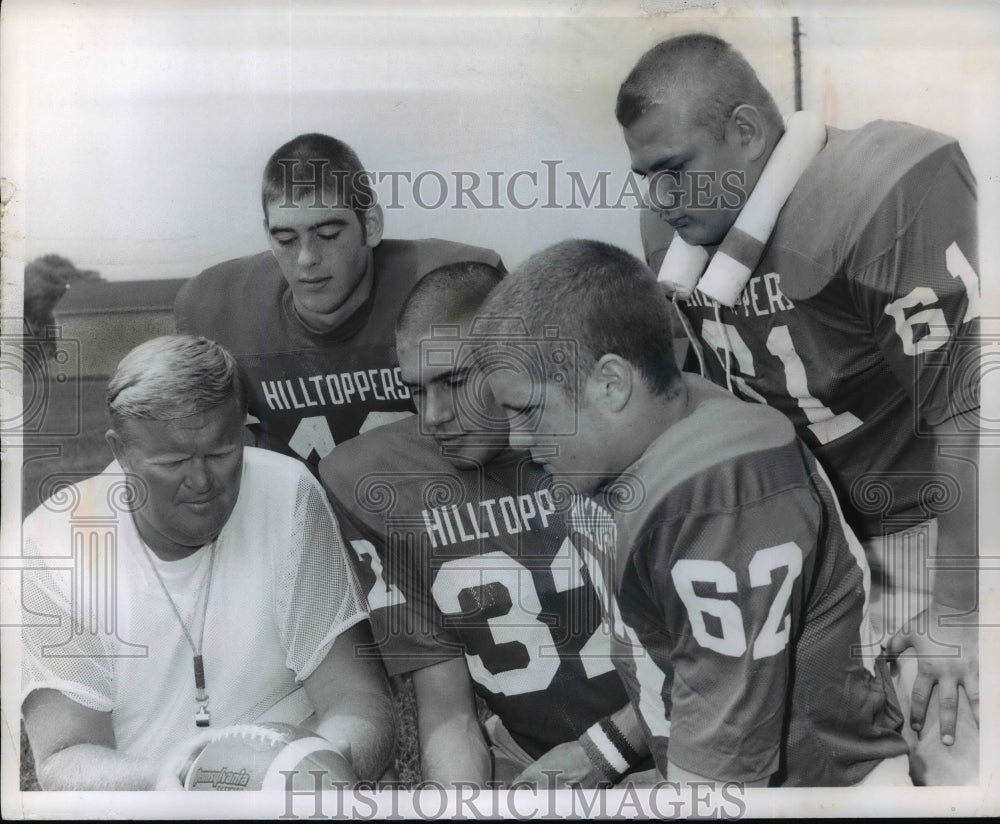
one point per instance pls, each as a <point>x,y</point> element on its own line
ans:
<point>565,765</point>
<point>947,656</point>
<point>179,758</point>
<point>336,762</point>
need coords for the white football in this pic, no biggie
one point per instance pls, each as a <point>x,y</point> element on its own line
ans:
<point>259,756</point>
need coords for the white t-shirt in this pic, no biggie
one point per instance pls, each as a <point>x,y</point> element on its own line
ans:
<point>105,635</point>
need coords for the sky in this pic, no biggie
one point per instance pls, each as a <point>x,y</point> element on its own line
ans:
<point>141,129</point>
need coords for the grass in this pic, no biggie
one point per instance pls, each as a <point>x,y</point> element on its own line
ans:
<point>69,420</point>
<point>69,445</point>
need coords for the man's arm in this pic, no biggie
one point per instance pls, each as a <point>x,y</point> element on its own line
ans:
<point>74,747</point>
<point>350,693</point>
<point>921,295</point>
<point>452,745</point>
<point>595,757</point>
<point>948,651</point>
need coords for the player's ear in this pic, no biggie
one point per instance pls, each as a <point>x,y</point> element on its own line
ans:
<point>748,128</point>
<point>117,444</point>
<point>611,381</point>
<point>266,221</point>
<point>374,224</point>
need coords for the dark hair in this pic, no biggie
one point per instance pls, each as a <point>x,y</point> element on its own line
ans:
<point>322,165</point>
<point>595,295</point>
<point>705,65</point>
<point>451,293</point>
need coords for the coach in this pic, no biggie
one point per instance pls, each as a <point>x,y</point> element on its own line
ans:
<point>194,582</point>
<point>312,321</point>
<point>851,304</point>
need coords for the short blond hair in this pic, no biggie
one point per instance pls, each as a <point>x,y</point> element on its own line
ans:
<point>173,376</point>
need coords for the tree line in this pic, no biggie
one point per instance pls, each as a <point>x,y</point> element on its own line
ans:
<point>46,280</point>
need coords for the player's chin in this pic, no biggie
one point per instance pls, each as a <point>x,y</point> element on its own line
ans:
<point>321,299</point>
<point>695,235</point>
<point>470,457</point>
<point>207,518</point>
<point>574,482</point>
<point>706,229</point>
<point>201,529</point>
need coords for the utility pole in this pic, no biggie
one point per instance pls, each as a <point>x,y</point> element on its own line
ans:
<point>797,60</point>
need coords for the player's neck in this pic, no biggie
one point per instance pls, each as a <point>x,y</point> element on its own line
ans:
<point>165,549</point>
<point>161,545</point>
<point>649,416</point>
<point>665,412</point>
<point>323,324</point>
<point>757,169</point>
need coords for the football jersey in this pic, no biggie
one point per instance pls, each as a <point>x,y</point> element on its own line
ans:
<point>476,562</point>
<point>859,322</point>
<point>312,391</point>
<point>740,619</point>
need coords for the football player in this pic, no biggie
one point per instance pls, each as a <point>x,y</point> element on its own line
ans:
<point>468,570</point>
<point>311,321</point>
<point>737,595</point>
<point>856,316</point>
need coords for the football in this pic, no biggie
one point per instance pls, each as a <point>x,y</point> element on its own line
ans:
<point>258,756</point>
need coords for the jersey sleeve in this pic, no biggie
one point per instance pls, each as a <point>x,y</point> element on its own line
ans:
<point>316,596</point>
<point>79,664</point>
<point>406,623</point>
<point>914,277</point>
<point>196,305</point>
<point>182,315</point>
<point>730,587</point>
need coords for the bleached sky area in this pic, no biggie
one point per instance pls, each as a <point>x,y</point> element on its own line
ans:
<point>134,133</point>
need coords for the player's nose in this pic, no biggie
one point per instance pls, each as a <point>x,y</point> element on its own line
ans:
<point>664,194</point>
<point>308,254</point>
<point>197,477</point>
<point>437,408</point>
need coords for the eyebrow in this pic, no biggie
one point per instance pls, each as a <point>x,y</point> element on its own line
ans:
<point>442,378</point>
<point>337,221</point>
<point>168,457</point>
<point>175,453</point>
<point>461,372</point>
<point>659,165</point>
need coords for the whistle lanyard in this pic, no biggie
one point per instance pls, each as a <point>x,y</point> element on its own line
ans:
<point>202,717</point>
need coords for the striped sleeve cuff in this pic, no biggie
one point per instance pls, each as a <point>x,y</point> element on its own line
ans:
<point>609,749</point>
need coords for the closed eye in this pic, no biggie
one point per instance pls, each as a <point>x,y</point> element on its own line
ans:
<point>170,464</point>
